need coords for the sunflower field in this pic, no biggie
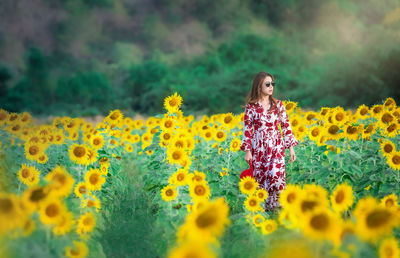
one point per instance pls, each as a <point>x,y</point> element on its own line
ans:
<point>169,186</point>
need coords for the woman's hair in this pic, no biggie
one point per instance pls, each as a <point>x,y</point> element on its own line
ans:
<point>255,91</point>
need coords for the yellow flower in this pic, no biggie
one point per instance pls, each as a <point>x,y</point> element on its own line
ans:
<point>289,195</point>
<point>34,150</point>
<point>86,223</point>
<point>172,103</point>
<point>220,135</point>
<point>261,194</point>
<point>61,182</point>
<point>97,141</point>
<point>65,224</point>
<point>11,215</point>
<point>389,201</point>
<point>199,191</point>
<point>169,193</point>
<point>248,185</point>
<point>252,203</point>
<point>191,248</point>
<point>94,180</point>
<point>394,160</point>
<point>91,201</point>
<point>235,144</point>
<point>78,154</point>
<point>80,250</point>
<point>81,189</point>
<point>28,175</point>
<point>342,197</point>
<point>51,211</point>
<point>258,219</point>
<point>387,148</point>
<point>389,248</point>
<point>268,226</point>
<point>176,156</point>
<point>180,177</point>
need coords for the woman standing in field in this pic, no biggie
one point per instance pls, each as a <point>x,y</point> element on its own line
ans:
<point>264,146</point>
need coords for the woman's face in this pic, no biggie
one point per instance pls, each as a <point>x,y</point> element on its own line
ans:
<point>267,90</point>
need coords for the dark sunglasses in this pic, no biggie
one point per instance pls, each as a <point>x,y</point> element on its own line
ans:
<point>270,83</point>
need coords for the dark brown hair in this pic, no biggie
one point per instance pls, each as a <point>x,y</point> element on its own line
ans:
<point>255,91</point>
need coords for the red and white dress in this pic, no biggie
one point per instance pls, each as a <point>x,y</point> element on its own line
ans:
<point>267,147</point>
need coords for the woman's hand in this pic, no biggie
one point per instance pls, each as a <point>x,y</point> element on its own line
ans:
<point>292,155</point>
<point>248,157</point>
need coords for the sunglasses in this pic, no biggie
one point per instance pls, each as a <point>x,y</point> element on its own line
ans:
<point>270,83</point>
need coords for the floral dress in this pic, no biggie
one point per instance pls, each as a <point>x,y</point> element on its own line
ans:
<point>268,148</point>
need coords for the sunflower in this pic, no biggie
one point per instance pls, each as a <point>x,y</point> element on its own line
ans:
<point>374,220</point>
<point>320,224</point>
<point>268,226</point>
<point>342,197</point>
<point>197,176</point>
<point>258,219</point>
<point>289,195</point>
<point>3,116</point>
<point>92,155</point>
<point>389,201</point>
<point>332,131</point>
<point>227,120</point>
<point>389,248</point>
<point>261,194</point>
<point>169,193</point>
<point>91,201</point>
<point>314,190</point>
<point>94,180</point>
<point>86,223</point>
<point>290,106</point>
<point>392,129</point>
<point>34,150</point>
<point>28,227</point>
<point>199,191</point>
<point>248,185</point>
<point>377,110</point>
<point>387,148</point>
<point>173,103</point>
<point>51,211</point>
<point>362,112</point>
<point>368,131</point>
<point>252,203</point>
<point>385,118</point>
<point>78,154</point>
<point>180,177</point>
<point>168,124</point>
<point>65,224</point>
<point>61,181</point>
<point>81,189</point>
<point>80,250</point>
<point>11,215</point>
<point>114,118</point>
<point>307,203</point>
<point>220,135</point>
<point>315,133</point>
<point>176,156</point>
<point>210,219</point>
<point>394,160</point>
<point>96,141</point>
<point>34,196</point>
<point>288,218</point>
<point>235,145</point>
<point>351,132</point>
<point>28,175</point>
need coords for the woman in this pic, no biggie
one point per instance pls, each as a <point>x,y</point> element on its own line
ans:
<point>264,145</point>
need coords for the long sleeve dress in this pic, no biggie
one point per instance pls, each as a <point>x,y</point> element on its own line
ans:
<point>268,148</point>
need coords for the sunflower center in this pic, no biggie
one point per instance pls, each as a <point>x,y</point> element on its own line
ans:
<point>167,136</point>
<point>308,205</point>
<point>388,252</point>
<point>252,202</point>
<point>339,197</point>
<point>90,203</point>
<point>33,150</point>
<point>351,129</point>
<point>176,155</point>
<point>388,148</point>
<point>52,210</point>
<point>248,185</point>
<point>289,106</point>
<point>315,132</point>
<point>168,124</point>
<point>319,222</point>
<point>389,203</point>
<point>391,128</point>
<point>96,141</point>
<point>199,190</point>
<point>333,129</point>
<point>180,177</point>
<point>93,179</point>
<point>206,219</point>
<point>377,218</point>
<point>179,144</point>
<point>268,227</point>
<point>220,134</point>
<point>339,117</point>
<point>228,119</point>
<point>6,205</point>
<point>87,221</point>
<point>82,189</point>
<point>396,159</point>
<point>169,192</point>
<point>369,129</point>
<point>114,116</point>
<point>387,118</point>
<point>377,110</point>
<point>291,197</point>
<point>37,195</point>
<point>25,173</point>
<point>79,152</point>
<point>363,111</point>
